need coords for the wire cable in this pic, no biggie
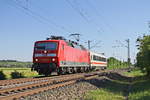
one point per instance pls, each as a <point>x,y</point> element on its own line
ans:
<point>78,11</point>
<point>41,17</point>
<point>98,14</point>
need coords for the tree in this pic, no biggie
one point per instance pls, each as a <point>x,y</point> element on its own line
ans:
<point>114,63</point>
<point>143,56</point>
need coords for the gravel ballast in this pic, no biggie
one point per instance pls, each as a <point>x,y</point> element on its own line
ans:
<point>70,92</point>
<point>75,91</point>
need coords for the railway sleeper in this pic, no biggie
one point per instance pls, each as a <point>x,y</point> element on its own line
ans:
<point>24,88</point>
<point>3,94</point>
<point>28,87</point>
<point>6,92</point>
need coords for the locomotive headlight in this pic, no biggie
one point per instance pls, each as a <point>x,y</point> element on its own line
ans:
<point>45,51</point>
<point>36,59</point>
<point>53,59</point>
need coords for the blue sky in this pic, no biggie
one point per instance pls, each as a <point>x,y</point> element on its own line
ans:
<point>22,22</point>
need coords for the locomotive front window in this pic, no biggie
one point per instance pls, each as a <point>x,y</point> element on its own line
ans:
<point>46,46</point>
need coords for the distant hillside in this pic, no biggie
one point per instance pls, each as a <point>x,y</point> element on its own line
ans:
<point>14,63</point>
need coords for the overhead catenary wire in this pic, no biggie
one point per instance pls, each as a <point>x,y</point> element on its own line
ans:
<point>50,17</point>
<point>96,45</point>
<point>89,17</point>
<point>42,18</point>
<point>78,11</point>
<point>98,14</point>
<point>84,15</point>
<point>34,17</point>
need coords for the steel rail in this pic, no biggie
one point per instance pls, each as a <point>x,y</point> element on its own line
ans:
<point>42,89</point>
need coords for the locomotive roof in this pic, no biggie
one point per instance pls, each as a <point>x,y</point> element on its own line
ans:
<point>62,39</point>
<point>49,40</point>
<point>70,43</point>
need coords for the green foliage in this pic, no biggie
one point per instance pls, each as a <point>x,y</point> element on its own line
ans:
<point>143,56</point>
<point>140,89</point>
<point>16,74</point>
<point>114,63</point>
<point>26,72</point>
<point>2,75</point>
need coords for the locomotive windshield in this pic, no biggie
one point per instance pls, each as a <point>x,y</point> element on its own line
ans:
<point>46,46</point>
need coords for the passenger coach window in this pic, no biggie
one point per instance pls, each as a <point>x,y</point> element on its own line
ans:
<point>97,58</point>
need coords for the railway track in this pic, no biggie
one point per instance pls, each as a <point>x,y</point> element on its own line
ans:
<point>24,81</point>
<point>20,80</point>
<point>36,85</point>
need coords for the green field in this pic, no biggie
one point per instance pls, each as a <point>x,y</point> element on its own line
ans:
<point>25,71</point>
<point>14,64</point>
<point>117,89</point>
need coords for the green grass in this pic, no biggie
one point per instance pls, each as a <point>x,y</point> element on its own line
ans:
<point>103,94</point>
<point>140,86</point>
<point>110,89</point>
<point>25,71</point>
<point>135,73</point>
<point>116,89</point>
<point>140,90</point>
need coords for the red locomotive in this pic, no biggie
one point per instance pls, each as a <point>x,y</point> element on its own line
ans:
<point>56,54</point>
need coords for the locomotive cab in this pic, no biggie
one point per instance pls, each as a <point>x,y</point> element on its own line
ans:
<point>45,56</point>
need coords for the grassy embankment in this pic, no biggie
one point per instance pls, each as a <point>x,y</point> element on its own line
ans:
<point>118,89</point>
<point>26,72</point>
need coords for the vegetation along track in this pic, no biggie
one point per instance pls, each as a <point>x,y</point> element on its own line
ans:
<point>44,84</point>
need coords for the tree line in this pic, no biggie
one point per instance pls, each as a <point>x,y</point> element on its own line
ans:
<point>114,63</point>
<point>143,55</point>
<point>14,64</point>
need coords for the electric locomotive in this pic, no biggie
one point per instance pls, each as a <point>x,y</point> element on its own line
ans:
<point>56,54</point>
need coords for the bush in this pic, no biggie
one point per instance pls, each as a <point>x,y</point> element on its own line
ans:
<point>2,75</point>
<point>16,74</point>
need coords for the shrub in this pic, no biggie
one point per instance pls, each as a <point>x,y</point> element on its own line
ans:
<point>16,74</point>
<point>2,75</point>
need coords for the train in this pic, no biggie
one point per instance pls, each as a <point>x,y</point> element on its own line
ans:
<point>56,54</point>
